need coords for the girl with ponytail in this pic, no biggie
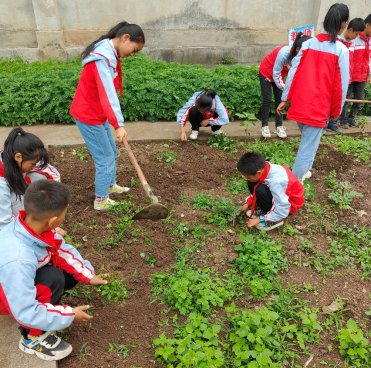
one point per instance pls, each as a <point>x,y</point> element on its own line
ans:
<point>96,105</point>
<point>316,86</point>
<point>272,72</point>
<point>201,110</point>
<point>23,160</point>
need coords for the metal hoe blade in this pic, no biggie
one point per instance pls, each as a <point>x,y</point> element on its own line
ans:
<point>155,211</point>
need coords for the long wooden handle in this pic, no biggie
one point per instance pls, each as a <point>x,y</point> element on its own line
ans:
<point>358,101</point>
<point>140,174</point>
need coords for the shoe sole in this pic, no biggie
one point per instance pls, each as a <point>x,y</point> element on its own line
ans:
<point>269,228</point>
<point>120,192</point>
<point>43,356</point>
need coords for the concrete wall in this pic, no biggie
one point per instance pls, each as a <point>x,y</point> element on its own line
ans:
<point>201,31</point>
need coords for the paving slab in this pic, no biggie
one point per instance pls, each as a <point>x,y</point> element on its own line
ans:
<point>10,355</point>
<point>64,135</point>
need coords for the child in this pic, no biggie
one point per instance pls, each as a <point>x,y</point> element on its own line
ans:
<point>96,105</point>
<point>275,192</point>
<point>24,159</point>
<point>36,266</point>
<point>201,110</point>
<point>316,86</point>
<point>360,73</point>
<point>272,71</point>
<point>355,27</point>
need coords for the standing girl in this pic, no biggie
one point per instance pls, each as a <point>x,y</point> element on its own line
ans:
<point>272,71</point>
<point>24,159</point>
<point>316,86</point>
<point>203,109</point>
<point>96,105</point>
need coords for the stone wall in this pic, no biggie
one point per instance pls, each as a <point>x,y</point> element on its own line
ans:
<point>192,31</point>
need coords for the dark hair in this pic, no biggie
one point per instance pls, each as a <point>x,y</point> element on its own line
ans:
<point>336,15</point>
<point>368,19</point>
<point>45,199</point>
<point>133,30</point>
<point>250,163</point>
<point>357,25</point>
<point>300,38</point>
<point>31,148</point>
<point>205,99</point>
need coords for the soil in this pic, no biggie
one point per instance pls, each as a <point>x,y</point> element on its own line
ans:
<point>198,168</point>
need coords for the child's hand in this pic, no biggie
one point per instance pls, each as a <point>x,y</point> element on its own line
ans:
<point>183,136</point>
<point>80,315</point>
<point>281,107</point>
<point>244,208</point>
<point>60,231</point>
<point>121,134</point>
<point>97,280</point>
<point>252,222</point>
<point>204,122</point>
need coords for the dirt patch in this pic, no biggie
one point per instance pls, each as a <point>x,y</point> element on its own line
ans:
<point>149,246</point>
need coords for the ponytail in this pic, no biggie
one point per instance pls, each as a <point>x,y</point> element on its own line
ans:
<point>300,38</point>
<point>205,99</point>
<point>31,148</point>
<point>133,30</point>
<point>336,15</point>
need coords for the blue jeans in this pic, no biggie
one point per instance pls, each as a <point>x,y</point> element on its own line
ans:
<point>310,138</point>
<point>102,147</point>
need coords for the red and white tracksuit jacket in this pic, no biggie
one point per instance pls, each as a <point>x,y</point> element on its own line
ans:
<point>10,203</point>
<point>361,59</point>
<point>275,66</point>
<point>286,189</point>
<point>23,252</point>
<point>318,81</point>
<point>96,99</point>
<point>349,45</point>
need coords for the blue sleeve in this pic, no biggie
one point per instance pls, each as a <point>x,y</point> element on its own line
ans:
<point>281,205</point>
<point>281,60</point>
<point>6,210</point>
<point>18,284</point>
<point>220,109</point>
<point>344,72</point>
<point>182,115</point>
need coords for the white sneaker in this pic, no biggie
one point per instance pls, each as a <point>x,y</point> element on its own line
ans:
<point>217,132</point>
<point>266,132</point>
<point>269,226</point>
<point>118,189</point>
<point>194,135</point>
<point>280,131</point>
<point>104,205</point>
<point>307,175</point>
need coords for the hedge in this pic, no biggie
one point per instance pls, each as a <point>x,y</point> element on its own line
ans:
<point>41,92</point>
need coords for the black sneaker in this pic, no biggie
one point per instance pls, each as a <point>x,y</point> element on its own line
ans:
<point>334,129</point>
<point>47,346</point>
<point>344,126</point>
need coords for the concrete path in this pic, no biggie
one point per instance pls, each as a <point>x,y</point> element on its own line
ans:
<point>56,135</point>
<point>10,355</point>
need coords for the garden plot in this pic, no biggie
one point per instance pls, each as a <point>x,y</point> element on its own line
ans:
<point>201,290</point>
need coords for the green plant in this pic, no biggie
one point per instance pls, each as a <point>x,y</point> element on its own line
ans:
<point>236,184</point>
<point>114,290</point>
<point>248,120</point>
<point>82,153</point>
<point>166,156</point>
<point>342,192</point>
<point>353,346</point>
<point>222,142</point>
<point>228,60</point>
<point>196,344</point>
<point>84,351</point>
<point>190,290</point>
<point>120,349</point>
<point>202,202</point>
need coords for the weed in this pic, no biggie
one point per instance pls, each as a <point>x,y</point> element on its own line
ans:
<point>248,120</point>
<point>223,143</point>
<point>84,351</point>
<point>353,346</point>
<point>202,202</point>
<point>81,153</point>
<point>114,290</point>
<point>149,259</point>
<point>190,290</point>
<point>236,184</point>
<point>120,349</point>
<point>168,157</point>
<point>196,344</point>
